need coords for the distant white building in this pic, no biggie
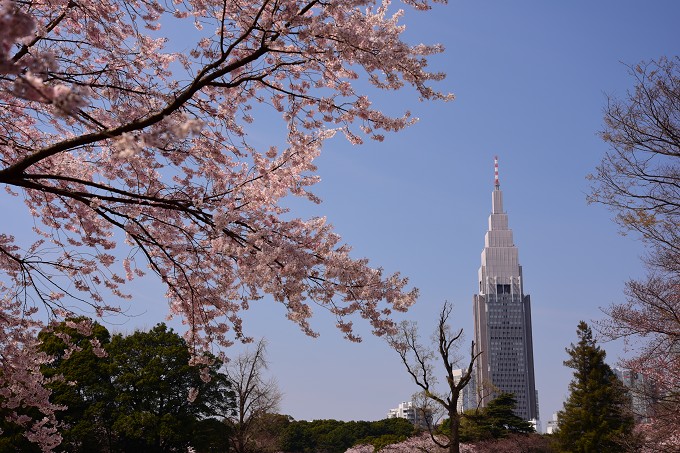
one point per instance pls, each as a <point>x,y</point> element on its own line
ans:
<point>407,410</point>
<point>468,396</point>
<point>551,427</point>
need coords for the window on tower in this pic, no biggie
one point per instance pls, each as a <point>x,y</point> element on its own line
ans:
<point>502,289</point>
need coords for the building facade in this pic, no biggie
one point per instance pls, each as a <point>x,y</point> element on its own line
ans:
<point>466,399</point>
<point>417,416</point>
<point>553,424</point>
<point>642,393</point>
<point>502,318</point>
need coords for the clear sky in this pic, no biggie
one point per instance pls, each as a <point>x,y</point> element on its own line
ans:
<point>531,79</point>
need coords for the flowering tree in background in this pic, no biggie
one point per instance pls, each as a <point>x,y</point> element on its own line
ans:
<point>112,138</point>
<point>639,179</point>
<point>515,443</point>
<point>423,443</point>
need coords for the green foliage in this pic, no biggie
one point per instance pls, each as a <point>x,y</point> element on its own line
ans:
<point>471,426</point>
<point>383,441</point>
<point>210,435</point>
<point>501,419</point>
<point>13,440</point>
<point>596,416</point>
<point>496,421</point>
<point>136,398</point>
<point>267,431</point>
<point>333,436</point>
<point>152,378</point>
<point>86,388</point>
<point>296,438</point>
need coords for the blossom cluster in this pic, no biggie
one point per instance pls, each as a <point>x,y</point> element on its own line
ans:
<point>134,159</point>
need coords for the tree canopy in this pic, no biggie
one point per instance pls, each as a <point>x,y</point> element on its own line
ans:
<point>334,436</point>
<point>130,144</point>
<point>495,421</point>
<point>597,415</point>
<point>142,395</point>
<point>639,180</point>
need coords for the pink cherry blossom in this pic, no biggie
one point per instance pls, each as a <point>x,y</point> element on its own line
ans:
<point>133,156</point>
<point>421,443</point>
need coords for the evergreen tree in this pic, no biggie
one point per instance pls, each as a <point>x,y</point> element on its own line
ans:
<point>153,381</point>
<point>501,419</point>
<point>86,390</point>
<point>496,421</point>
<point>138,396</point>
<point>596,416</point>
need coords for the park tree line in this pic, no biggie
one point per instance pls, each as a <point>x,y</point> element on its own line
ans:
<point>133,392</point>
<point>140,392</point>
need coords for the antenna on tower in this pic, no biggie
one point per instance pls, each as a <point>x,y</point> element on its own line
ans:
<point>495,165</point>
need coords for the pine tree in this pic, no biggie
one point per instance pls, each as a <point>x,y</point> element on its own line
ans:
<point>496,421</point>
<point>501,419</point>
<point>596,417</point>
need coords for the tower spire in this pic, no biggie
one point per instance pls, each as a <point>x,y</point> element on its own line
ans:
<point>502,316</point>
<point>495,165</point>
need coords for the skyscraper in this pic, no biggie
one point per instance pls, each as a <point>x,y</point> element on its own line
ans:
<point>502,317</point>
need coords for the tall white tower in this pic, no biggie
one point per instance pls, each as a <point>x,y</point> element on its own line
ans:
<point>502,317</point>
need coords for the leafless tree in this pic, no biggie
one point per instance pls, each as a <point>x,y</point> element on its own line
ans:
<point>420,361</point>
<point>256,396</point>
<point>639,180</point>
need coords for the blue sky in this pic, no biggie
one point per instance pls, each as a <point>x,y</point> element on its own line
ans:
<point>531,79</point>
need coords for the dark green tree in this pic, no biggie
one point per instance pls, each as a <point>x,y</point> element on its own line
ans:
<point>85,389</point>
<point>471,426</point>
<point>139,396</point>
<point>211,435</point>
<point>296,437</point>
<point>159,395</point>
<point>333,436</point>
<point>387,431</point>
<point>596,417</point>
<point>496,421</point>
<point>501,420</point>
<point>267,431</point>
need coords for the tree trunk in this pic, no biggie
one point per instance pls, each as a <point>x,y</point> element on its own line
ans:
<point>454,432</point>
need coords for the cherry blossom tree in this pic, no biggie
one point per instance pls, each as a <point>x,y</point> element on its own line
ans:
<point>132,150</point>
<point>515,443</point>
<point>21,383</point>
<point>422,443</point>
<point>639,179</point>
